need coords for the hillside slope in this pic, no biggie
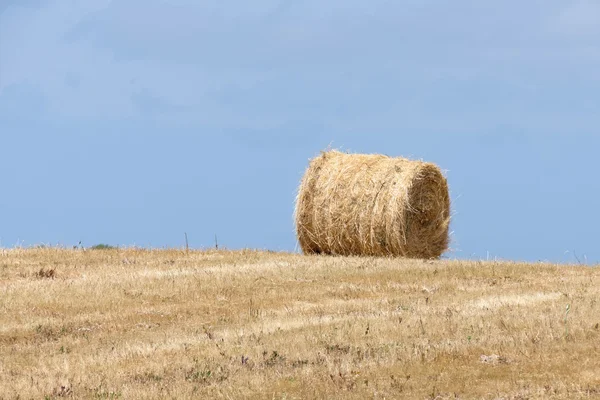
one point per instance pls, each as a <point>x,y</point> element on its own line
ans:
<point>249,324</point>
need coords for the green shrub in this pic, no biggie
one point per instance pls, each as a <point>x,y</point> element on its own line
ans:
<point>103,246</point>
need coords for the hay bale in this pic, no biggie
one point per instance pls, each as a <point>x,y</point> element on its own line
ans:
<point>372,205</point>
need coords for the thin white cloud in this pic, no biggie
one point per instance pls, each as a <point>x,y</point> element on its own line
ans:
<point>226,64</point>
<point>32,51</point>
<point>580,17</point>
<point>15,4</point>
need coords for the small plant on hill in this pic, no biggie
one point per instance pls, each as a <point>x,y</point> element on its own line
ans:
<point>102,246</point>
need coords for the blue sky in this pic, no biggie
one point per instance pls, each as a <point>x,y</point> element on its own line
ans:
<point>131,122</point>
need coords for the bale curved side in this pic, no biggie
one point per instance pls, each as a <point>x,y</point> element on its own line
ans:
<point>365,204</point>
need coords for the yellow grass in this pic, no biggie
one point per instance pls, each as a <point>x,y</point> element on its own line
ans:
<point>166,324</point>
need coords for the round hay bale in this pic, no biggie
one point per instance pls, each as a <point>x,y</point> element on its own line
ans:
<point>372,205</point>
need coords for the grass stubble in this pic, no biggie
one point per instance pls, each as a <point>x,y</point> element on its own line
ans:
<point>127,323</point>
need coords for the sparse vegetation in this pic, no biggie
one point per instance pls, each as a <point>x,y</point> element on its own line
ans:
<point>126,323</point>
<point>102,246</point>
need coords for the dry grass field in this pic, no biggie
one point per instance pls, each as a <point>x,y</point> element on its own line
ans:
<point>167,324</point>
